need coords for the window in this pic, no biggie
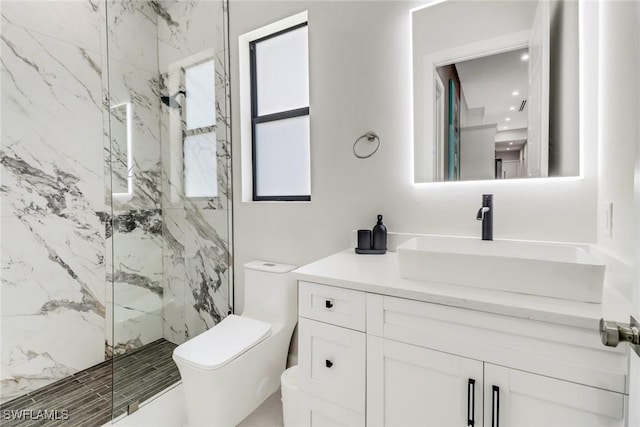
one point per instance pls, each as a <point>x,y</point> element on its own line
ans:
<point>200,154</point>
<point>280,138</point>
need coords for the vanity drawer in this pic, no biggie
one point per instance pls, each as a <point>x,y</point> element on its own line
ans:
<point>316,412</point>
<point>342,307</point>
<point>558,351</point>
<point>332,363</point>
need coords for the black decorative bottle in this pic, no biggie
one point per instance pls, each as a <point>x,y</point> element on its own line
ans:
<point>379,235</point>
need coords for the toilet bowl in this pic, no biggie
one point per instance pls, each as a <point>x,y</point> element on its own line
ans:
<point>229,370</point>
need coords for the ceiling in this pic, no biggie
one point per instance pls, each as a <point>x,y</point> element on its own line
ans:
<point>514,145</point>
<point>490,82</point>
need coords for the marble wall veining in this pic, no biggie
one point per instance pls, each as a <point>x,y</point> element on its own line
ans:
<point>132,48</point>
<point>134,283</point>
<point>197,250</point>
<point>196,272</point>
<point>134,286</point>
<point>53,239</point>
<point>190,257</point>
<point>86,275</point>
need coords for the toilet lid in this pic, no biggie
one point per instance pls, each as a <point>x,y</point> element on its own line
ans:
<point>223,343</point>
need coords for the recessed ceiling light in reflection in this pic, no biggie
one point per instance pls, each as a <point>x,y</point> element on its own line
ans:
<point>505,128</point>
<point>525,57</point>
<point>508,119</point>
<point>511,143</point>
<point>512,108</point>
<point>515,93</point>
<point>508,148</point>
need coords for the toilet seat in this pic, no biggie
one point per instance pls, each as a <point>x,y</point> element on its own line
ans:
<point>223,343</point>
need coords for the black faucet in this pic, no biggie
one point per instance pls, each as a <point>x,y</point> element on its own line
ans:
<point>485,214</point>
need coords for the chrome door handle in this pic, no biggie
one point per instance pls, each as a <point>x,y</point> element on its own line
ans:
<point>613,333</point>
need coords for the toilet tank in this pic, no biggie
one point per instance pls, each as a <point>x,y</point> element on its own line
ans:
<point>270,292</point>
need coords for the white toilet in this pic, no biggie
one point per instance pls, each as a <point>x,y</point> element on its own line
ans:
<point>229,370</point>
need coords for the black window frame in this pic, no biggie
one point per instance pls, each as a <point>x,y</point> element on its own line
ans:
<point>281,115</point>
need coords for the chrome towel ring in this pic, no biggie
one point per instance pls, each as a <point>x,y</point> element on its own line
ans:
<point>371,137</point>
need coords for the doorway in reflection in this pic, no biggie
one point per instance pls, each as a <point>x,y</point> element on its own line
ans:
<point>484,110</point>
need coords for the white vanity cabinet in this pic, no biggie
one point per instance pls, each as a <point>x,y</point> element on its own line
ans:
<point>401,362</point>
<point>332,355</point>
<point>517,398</point>
<point>486,369</point>
<point>409,385</point>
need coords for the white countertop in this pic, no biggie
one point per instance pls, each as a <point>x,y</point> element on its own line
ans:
<point>379,274</point>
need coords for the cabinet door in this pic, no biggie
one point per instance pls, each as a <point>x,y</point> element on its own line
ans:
<point>517,398</point>
<point>332,363</point>
<point>415,386</point>
<point>316,412</point>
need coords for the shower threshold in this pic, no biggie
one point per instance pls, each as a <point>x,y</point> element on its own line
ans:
<point>87,398</point>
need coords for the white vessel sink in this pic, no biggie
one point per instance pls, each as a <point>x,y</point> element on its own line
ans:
<point>535,268</point>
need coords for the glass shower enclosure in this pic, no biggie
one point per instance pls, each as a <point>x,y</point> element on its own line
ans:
<point>115,198</point>
<point>170,196</point>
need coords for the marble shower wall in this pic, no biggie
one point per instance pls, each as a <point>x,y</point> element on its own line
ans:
<point>172,255</point>
<point>62,233</point>
<point>51,156</point>
<point>197,235</point>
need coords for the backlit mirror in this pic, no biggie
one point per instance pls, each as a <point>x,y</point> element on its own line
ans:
<point>496,90</point>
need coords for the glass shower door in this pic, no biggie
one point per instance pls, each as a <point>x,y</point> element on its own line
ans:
<point>170,166</point>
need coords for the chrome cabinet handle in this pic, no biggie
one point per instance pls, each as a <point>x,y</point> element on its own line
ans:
<point>328,363</point>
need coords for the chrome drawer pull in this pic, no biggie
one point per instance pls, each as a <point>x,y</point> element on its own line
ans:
<point>328,363</point>
<point>328,304</point>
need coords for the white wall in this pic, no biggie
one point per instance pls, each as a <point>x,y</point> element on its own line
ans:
<point>477,152</point>
<point>360,62</point>
<point>510,169</point>
<point>564,103</point>
<point>509,155</point>
<point>618,131</point>
<point>511,135</point>
<point>464,110</point>
<point>475,116</point>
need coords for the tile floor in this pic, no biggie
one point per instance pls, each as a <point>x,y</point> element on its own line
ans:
<point>269,414</point>
<point>87,395</point>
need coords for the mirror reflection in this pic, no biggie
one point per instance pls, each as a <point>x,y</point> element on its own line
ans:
<point>496,90</point>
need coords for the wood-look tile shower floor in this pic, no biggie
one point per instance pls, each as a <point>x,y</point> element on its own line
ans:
<point>86,398</point>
